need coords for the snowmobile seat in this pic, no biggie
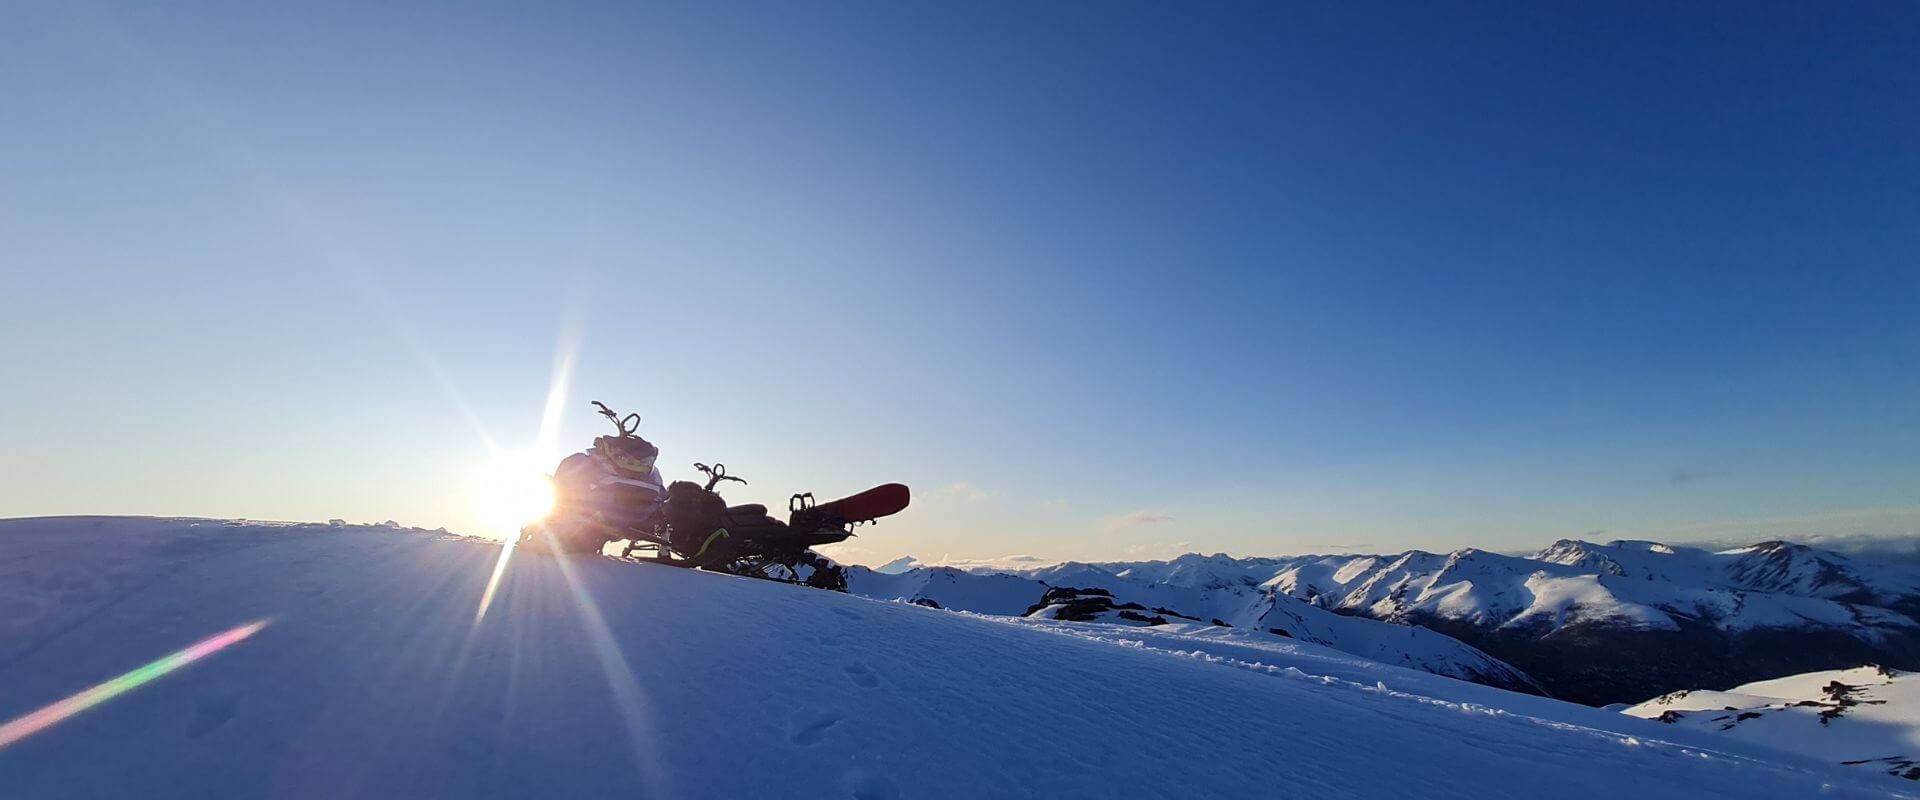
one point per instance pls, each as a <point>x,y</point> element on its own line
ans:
<point>748,511</point>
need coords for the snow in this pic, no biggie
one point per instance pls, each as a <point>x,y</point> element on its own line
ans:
<point>1202,588</point>
<point>372,676</point>
<point>1582,598</point>
<point>1871,722</point>
<point>1633,584</point>
<point>951,588</point>
<point>898,565</point>
<point>1773,567</point>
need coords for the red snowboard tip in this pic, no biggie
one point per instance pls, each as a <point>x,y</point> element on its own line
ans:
<point>874,503</point>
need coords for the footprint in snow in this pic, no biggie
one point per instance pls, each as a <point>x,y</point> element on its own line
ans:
<point>809,731</point>
<point>867,785</point>
<point>209,714</point>
<point>848,613</point>
<point>862,675</point>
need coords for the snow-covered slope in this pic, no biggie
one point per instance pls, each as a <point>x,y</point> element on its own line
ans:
<point>1867,717</point>
<point>1195,595</point>
<point>1773,567</point>
<point>946,587</point>
<point>1597,623</point>
<point>352,662</point>
<point>1624,584</point>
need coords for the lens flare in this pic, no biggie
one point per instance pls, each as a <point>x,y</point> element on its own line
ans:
<point>45,718</point>
<point>493,581</point>
<point>629,697</point>
<point>510,494</point>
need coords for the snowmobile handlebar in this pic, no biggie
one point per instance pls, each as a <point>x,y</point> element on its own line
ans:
<point>627,425</point>
<point>716,474</point>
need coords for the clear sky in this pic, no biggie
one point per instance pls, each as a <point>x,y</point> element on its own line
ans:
<point>1100,280</point>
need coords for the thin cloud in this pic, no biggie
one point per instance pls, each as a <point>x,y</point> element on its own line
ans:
<point>1007,562</point>
<point>1846,543</point>
<point>1896,547</point>
<point>1136,519</point>
<point>1016,561</point>
<point>1681,476</point>
<point>845,552</point>
<point>965,491</point>
<point>1341,547</point>
<point>1868,522</point>
<point>1156,549</point>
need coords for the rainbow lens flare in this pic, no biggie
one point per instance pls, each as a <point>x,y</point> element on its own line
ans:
<point>45,718</point>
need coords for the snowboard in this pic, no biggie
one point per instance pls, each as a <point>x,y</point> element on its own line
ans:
<point>879,501</point>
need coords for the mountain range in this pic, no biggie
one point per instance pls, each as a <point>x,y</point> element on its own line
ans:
<point>1594,623</point>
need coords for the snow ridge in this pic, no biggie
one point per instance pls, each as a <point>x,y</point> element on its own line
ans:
<point>372,677</point>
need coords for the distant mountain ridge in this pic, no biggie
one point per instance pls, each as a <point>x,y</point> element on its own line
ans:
<point>1224,601</point>
<point>1596,623</point>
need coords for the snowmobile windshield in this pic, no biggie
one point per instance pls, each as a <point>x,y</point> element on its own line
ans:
<point>632,455</point>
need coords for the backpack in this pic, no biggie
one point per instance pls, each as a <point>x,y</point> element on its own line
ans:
<point>693,514</point>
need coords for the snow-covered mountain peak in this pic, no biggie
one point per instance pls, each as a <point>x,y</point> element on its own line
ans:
<point>1787,567</point>
<point>898,565</point>
<point>1621,557</point>
<point>1601,621</point>
<point>1642,545</point>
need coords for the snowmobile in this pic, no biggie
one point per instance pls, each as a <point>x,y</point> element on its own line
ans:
<point>694,527</point>
<point>612,493</point>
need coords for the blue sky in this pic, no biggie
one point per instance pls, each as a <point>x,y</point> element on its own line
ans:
<point>1100,280</point>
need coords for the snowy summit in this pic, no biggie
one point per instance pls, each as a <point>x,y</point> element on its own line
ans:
<point>355,661</point>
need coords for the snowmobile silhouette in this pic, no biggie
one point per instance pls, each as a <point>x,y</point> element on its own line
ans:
<point>612,492</point>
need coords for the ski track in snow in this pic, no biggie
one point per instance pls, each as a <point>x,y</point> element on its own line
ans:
<point>1378,687</point>
<point>592,677</point>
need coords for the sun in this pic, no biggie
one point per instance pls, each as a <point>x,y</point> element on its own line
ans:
<point>509,494</point>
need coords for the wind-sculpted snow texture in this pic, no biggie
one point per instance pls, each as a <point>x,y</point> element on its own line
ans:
<point>1619,622</point>
<point>372,676</point>
<point>1866,717</point>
